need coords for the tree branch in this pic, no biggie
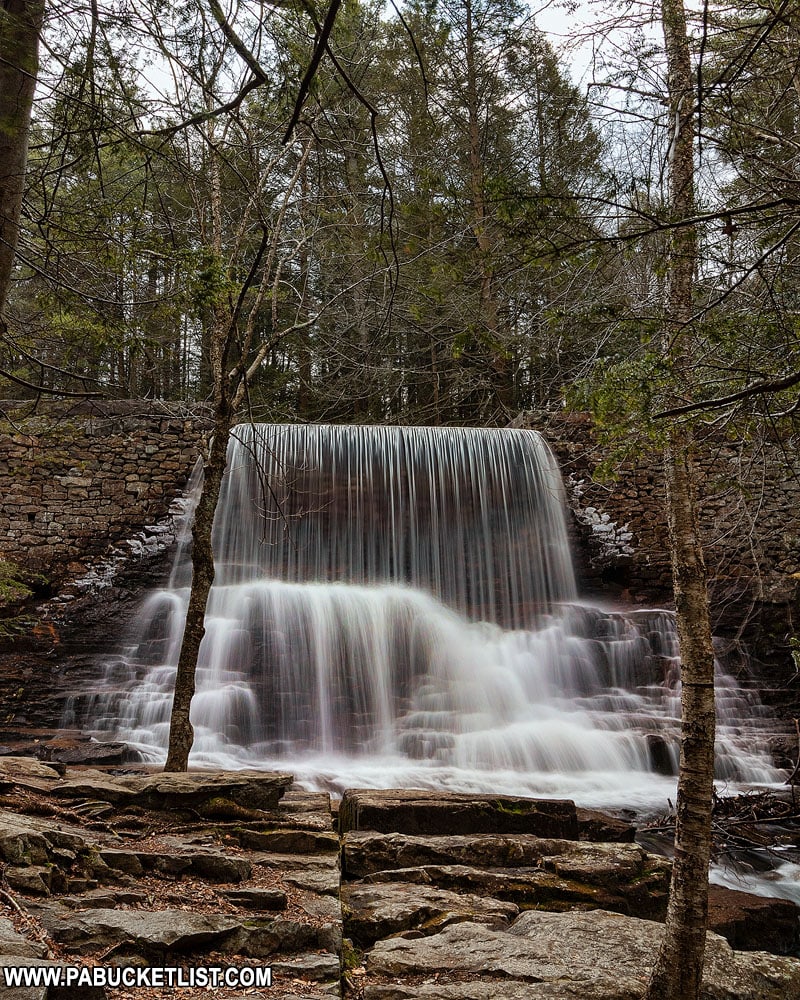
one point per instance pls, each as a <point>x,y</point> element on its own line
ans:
<point>758,389</point>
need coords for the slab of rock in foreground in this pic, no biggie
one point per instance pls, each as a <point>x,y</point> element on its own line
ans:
<point>424,812</point>
<point>372,912</point>
<point>155,933</point>
<point>561,956</point>
<point>192,790</point>
<point>526,870</point>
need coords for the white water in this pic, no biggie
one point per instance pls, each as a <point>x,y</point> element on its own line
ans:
<point>327,653</point>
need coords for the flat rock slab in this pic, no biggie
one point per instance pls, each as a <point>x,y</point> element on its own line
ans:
<point>192,790</point>
<point>13,943</point>
<point>147,932</point>
<point>594,956</point>
<point>156,933</point>
<point>33,840</point>
<point>754,923</point>
<point>25,772</point>
<point>644,894</point>
<point>365,852</point>
<point>313,966</point>
<point>425,812</point>
<point>289,841</point>
<point>373,912</point>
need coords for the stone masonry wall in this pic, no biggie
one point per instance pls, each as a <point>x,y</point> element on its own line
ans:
<point>76,479</point>
<point>750,499</point>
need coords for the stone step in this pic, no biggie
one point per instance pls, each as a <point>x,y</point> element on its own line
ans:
<point>429,813</point>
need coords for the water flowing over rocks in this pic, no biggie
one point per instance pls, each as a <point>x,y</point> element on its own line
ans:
<point>130,868</point>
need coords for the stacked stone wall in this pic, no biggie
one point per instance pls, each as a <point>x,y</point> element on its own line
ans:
<point>749,493</point>
<point>76,479</point>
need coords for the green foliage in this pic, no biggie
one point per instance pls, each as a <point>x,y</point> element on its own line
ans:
<point>624,395</point>
<point>16,584</point>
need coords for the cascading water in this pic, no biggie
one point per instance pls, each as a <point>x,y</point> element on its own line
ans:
<point>396,606</point>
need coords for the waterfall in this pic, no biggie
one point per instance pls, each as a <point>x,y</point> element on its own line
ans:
<point>397,606</point>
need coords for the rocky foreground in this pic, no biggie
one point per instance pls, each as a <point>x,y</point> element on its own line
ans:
<point>404,894</point>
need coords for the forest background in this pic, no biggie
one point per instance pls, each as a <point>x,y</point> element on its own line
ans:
<point>450,232</point>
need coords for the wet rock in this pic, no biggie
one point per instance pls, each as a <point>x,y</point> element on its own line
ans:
<point>75,750</point>
<point>754,923</point>
<point>372,912</point>
<point>660,753</point>
<point>591,956</point>
<point>448,813</point>
<point>594,825</point>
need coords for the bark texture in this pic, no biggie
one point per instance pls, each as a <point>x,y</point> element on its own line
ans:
<point>181,731</point>
<point>20,27</point>
<point>678,971</point>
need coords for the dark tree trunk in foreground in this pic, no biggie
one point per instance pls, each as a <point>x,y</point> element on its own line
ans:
<point>20,27</point>
<point>181,735</point>
<point>678,971</point>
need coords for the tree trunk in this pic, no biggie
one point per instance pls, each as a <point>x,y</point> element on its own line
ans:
<point>501,376</point>
<point>181,732</point>
<point>20,27</point>
<point>678,971</point>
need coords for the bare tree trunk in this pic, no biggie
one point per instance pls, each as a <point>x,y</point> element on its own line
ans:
<point>20,27</point>
<point>501,374</point>
<point>181,733</point>
<point>678,971</point>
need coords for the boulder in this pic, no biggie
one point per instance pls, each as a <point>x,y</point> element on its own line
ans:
<point>33,840</point>
<point>427,813</point>
<point>591,956</point>
<point>372,912</point>
<point>754,923</point>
